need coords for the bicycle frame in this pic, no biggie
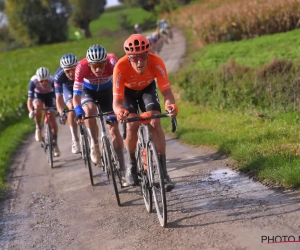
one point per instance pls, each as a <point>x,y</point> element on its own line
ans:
<point>47,141</point>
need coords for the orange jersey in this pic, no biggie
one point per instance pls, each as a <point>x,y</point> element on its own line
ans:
<point>125,75</point>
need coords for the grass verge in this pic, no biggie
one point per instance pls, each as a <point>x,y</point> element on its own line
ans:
<point>266,148</point>
<point>10,139</point>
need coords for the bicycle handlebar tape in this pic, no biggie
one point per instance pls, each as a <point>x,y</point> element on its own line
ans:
<point>79,111</point>
<point>174,124</point>
<point>124,129</point>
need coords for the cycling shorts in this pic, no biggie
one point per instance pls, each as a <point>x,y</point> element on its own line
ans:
<point>67,93</point>
<point>104,98</point>
<point>47,98</point>
<point>145,99</point>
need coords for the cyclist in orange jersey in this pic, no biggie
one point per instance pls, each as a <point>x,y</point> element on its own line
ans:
<point>134,87</point>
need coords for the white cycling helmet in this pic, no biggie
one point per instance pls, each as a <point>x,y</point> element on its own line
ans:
<point>136,26</point>
<point>96,53</point>
<point>42,73</point>
<point>68,61</point>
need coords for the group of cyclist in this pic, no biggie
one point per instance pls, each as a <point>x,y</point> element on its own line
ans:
<point>162,32</point>
<point>121,86</point>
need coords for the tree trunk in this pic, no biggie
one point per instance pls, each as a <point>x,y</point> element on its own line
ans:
<point>86,31</point>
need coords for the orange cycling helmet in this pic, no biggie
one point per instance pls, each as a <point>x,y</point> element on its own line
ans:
<point>136,44</point>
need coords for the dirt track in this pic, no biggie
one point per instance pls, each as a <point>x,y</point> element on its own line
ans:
<point>211,207</point>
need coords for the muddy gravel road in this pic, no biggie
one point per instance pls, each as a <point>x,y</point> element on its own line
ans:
<point>211,207</point>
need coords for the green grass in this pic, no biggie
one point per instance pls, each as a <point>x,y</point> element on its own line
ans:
<point>268,148</point>
<point>252,52</point>
<point>10,140</point>
<point>110,21</point>
<point>16,68</point>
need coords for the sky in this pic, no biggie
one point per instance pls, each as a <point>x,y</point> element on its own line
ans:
<point>112,3</point>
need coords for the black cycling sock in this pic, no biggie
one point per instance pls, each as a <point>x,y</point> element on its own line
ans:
<point>163,164</point>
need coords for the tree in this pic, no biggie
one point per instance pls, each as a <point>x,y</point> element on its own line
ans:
<point>38,21</point>
<point>128,3</point>
<point>2,7</point>
<point>149,5</point>
<point>84,11</point>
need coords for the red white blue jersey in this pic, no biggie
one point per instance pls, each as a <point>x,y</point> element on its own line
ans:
<point>85,77</point>
<point>35,86</point>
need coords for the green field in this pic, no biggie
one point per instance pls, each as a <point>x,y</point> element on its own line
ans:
<point>253,52</point>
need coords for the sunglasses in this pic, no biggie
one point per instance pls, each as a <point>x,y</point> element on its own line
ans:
<point>44,81</point>
<point>139,57</point>
<point>67,71</point>
<point>100,65</point>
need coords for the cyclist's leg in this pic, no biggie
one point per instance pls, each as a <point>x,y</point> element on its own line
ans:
<point>38,104</point>
<point>130,104</point>
<point>50,102</point>
<point>68,97</point>
<point>105,99</point>
<point>90,108</point>
<point>151,103</point>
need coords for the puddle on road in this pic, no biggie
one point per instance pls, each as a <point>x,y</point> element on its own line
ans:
<point>223,174</point>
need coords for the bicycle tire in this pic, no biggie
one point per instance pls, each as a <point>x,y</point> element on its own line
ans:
<point>87,157</point>
<point>82,147</point>
<point>116,167</point>
<point>107,153</point>
<point>144,182</point>
<point>49,145</point>
<point>157,183</point>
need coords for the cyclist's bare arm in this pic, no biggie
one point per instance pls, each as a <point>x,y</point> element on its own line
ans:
<point>29,104</point>
<point>119,109</point>
<point>168,96</point>
<point>76,100</point>
<point>169,100</point>
<point>60,103</point>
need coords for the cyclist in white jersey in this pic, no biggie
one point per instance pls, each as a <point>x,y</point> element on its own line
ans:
<point>41,94</point>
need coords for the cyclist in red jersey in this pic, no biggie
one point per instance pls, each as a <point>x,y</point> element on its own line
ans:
<point>93,81</point>
<point>134,87</point>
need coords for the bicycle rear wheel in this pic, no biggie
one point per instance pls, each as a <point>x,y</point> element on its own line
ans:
<point>109,166</point>
<point>86,153</point>
<point>157,184</point>
<point>145,187</point>
<point>49,145</point>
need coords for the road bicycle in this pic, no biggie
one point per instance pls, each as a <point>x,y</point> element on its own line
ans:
<point>84,146</point>
<point>149,169</point>
<point>109,159</point>
<point>47,138</point>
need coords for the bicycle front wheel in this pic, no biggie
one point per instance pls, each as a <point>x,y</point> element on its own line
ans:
<point>144,182</point>
<point>86,153</point>
<point>49,145</point>
<point>107,155</point>
<point>157,184</point>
